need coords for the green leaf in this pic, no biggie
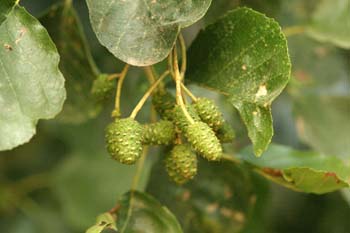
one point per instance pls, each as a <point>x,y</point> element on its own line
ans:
<point>324,123</point>
<point>331,22</point>
<point>104,221</point>
<point>76,64</point>
<point>219,199</point>
<point>302,171</point>
<point>141,213</point>
<point>139,32</point>
<point>31,86</point>
<point>88,186</point>
<point>244,56</point>
<point>5,8</point>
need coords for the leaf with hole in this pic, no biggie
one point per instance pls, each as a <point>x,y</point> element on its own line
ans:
<point>244,56</point>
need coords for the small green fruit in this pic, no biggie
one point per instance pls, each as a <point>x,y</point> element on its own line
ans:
<point>181,164</point>
<point>124,140</point>
<point>209,113</point>
<point>203,140</point>
<point>163,103</point>
<point>180,119</point>
<point>102,88</point>
<point>225,133</point>
<point>159,133</point>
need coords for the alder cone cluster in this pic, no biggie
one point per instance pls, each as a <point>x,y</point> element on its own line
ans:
<point>200,132</point>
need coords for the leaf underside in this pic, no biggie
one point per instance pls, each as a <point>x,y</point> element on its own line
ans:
<point>142,32</point>
<point>31,85</point>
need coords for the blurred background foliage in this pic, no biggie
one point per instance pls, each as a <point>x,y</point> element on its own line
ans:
<point>63,178</point>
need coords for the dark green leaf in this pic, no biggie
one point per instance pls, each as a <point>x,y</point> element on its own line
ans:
<point>142,32</point>
<point>331,22</point>
<point>141,213</point>
<point>31,86</point>
<point>89,186</point>
<point>244,56</point>
<point>5,8</point>
<point>324,123</point>
<point>76,63</point>
<point>218,200</point>
<point>302,171</point>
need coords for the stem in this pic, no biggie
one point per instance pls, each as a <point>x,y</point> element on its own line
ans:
<point>68,3</point>
<point>139,168</point>
<point>178,81</point>
<point>119,88</point>
<point>183,55</point>
<point>147,95</point>
<point>113,76</point>
<point>31,183</point>
<point>170,65</point>
<point>134,184</point>
<point>189,93</point>
<point>150,74</point>
<point>293,30</point>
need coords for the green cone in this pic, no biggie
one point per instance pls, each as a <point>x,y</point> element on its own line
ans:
<point>124,140</point>
<point>102,88</point>
<point>209,113</point>
<point>180,119</point>
<point>159,133</point>
<point>225,133</point>
<point>203,140</point>
<point>181,164</point>
<point>163,103</point>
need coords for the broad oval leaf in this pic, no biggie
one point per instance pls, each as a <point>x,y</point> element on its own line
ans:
<point>142,32</point>
<point>141,213</point>
<point>219,199</point>
<point>244,56</point>
<point>331,22</point>
<point>77,64</point>
<point>302,171</point>
<point>31,85</point>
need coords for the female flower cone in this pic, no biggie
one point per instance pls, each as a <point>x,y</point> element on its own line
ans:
<point>181,164</point>
<point>203,140</point>
<point>124,140</point>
